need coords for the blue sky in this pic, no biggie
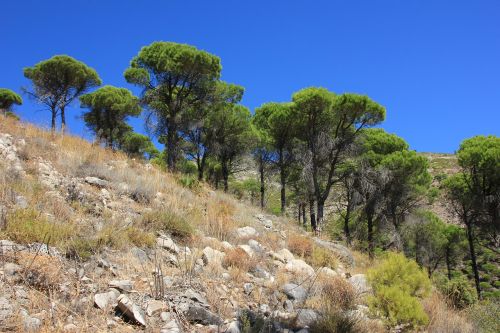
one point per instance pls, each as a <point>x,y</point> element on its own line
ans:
<point>435,65</point>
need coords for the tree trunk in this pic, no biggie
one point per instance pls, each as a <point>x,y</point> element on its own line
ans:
<point>448,262</point>
<point>320,208</point>
<point>63,121</point>
<point>171,147</point>
<point>371,246</point>
<point>470,238</point>
<point>347,217</point>
<point>304,219</point>
<point>283,185</point>
<point>299,212</point>
<point>312,215</point>
<point>225,175</point>
<point>262,184</point>
<point>53,121</point>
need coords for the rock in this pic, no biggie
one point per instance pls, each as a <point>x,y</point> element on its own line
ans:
<point>226,245</point>
<point>96,181</point>
<point>122,285</point>
<point>248,288</point>
<point>31,324</point>
<point>11,270</point>
<point>21,202</point>
<point>167,243</point>
<point>261,273</point>
<point>282,255</point>
<point>131,310</point>
<point>140,254</point>
<point>7,246</point>
<point>110,323</point>
<point>248,250</point>
<point>196,297</point>
<point>340,250</point>
<point>267,223</point>
<point>103,300</point>
<point>358,281</point>
<point>295,292</point>
<point>265,309</point>
<point>198,314</point>
<point>70,328</point>
<point>299,266</point>
<point>233,327</point>
<point>154,307</point>
<point>6,310</point>
<point>171,327</point>
<point>288,305</point>
<point>246,232</point>
<point>306,317</point>
<point>212,257</point>
<point>256,246</point>
<point>327,272</point>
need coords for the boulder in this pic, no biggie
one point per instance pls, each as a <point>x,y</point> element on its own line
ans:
<point>248,250</point>
<point>358,281</point>
<point>246,232</point>
<point>198,314</point>
<point>282,255</point>
<point>295,292</point>
<point>131,310</point>
<point>340,250</point>
<point>171,327</point>
<point>167,243</point>
<point>248,288</point>
<point>196,297</point>
<point>154,306</point>
<point>122,285</point>
<point>96,181</point>
<point>103,300</point>
<point>326,271</point>
<point>298,266</point>
<point>306,317</point>
<point>211,256</point>
<point>6,310</point>
<point>256,246</point>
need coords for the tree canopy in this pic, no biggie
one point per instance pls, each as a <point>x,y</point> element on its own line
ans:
<point>8,98</point>
<point>58,81</point>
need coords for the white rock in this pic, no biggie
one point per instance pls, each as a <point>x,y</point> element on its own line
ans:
<point>212,257</point>
<point>131,310</point>
<point>326,271</point>
<point>359,283</point>
<point>103,300</point>
<point>167,243</point>
<point>248,250</point>
<point>123,285</point>
<point>299,266</point>
<point>154,307</point>
<point>246,232</point>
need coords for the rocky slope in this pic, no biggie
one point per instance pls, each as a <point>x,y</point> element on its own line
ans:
<point>93,241</point>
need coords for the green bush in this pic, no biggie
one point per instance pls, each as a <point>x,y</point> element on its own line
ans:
<point>167,221</point>
<point>486,316</point>
<point>189,181</point>
<point>398,283</point>
<point>459,292</point>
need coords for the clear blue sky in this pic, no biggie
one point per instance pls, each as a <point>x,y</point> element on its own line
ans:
<point>435,65</point>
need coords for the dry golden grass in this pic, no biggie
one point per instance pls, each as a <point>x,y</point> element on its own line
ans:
<point>300,245</point>
<point>42,272</point>
<point>443,319</point>
<point>238,258</point>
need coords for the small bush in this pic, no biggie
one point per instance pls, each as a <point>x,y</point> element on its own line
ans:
<point>321,257</point>
<point>167,221</point>
<point>139,237</point>
<point>29,226</point>
<point>189,181</point>
<point>338,294</point>
<point>335,322</point>
<point>237,257</point>
<point>398,283</point>
<point>458,292</point>
<point>300,245</point>
<point>486,316</point>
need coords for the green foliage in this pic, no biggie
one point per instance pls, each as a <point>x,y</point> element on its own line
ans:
<point>7,99</point>
<point>486,316</point>
<point>189,181</point>
<point>459,292</point>
<point>336,322</point>
<point>398,283</point>
<point>167,221</point>
<point>60,80</point>
<point>176,79</point>
<point>109,107</point>
<point>139,146</point>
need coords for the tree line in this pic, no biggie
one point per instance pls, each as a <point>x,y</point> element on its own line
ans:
<point>322,146</point>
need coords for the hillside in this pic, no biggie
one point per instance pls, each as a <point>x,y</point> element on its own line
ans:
<point>92,241</point>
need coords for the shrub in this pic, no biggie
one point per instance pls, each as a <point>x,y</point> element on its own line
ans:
<point>300,245</point>
<point>189,181</point>
<point>167,221</point>
<point>139,237</point>
<point>398,283</point>
<point>322,257</point>
<point>237,257</point>
<point>486,316</point>
<point>458,292</point>
<point>335,322</point>
<point>28,226</point>
<point>338,294</point>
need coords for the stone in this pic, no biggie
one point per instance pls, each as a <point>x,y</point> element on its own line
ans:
<point>110,323</point>
<point>248,250</point>
<point>265,309</point>
<point>248,288</point>
<point>340,250</point>
<point>131,310</point>
<point>200,315</point>
<point>246,232</point>
<point>140,254</point>
<point>211,256</point>
<point>31,324</point>
<point>288,305</point>
<point>306,317</point>
<point>298,266</point>
<point>267,223</point>
<point>358,281</point>
<point>226,245</point>
<point>195,296</point>
<point>282,255</point>
<point>233,327</point>
<point>103,300</point>
<point>327,272</point>
<point>154,307</point>
<point>171,327</point>
<point>96,181</point>
<point>256,246</point>
<point>122,285</point>
<point>11,270</point>
<point>6,309</point>
<point>295,292</point>
<point>70,328</point>
<point>167,243</point>
<point>21,202</point>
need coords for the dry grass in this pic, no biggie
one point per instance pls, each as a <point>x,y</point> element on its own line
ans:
<point>42,272</point>
<point>443,319</point>
<point>238,258</point>
<point>219,221</point>
<point>321,257</point>
<point>300,245</point>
